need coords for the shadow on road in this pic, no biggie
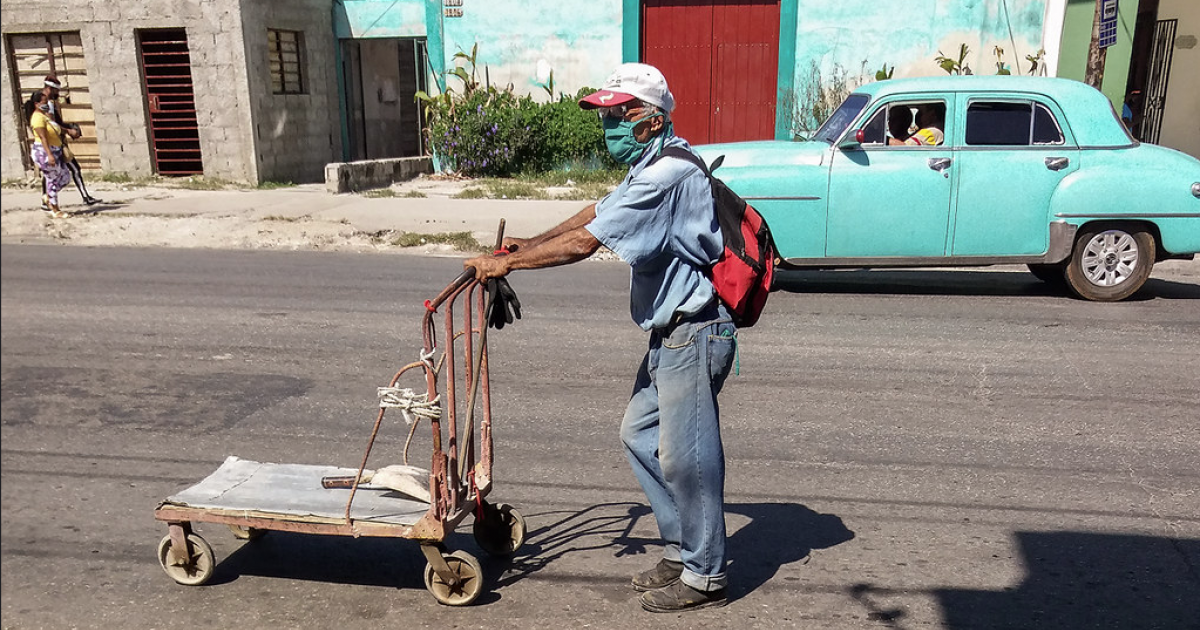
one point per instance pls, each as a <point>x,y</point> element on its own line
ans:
<point>1073,581</point>
<point>1089,580</point>
<point>363,561</point>
<point>98,207</point>
<point>946,282</point>
<point>776,534</point>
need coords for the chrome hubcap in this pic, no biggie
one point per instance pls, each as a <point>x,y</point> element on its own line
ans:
<point>1110,258</point>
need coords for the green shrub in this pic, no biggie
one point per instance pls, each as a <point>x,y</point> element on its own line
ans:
<point>570,138</point>
<point>484,132</point>
<point>480,130</point>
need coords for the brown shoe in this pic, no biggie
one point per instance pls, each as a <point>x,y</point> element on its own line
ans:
<point>679,597</point>
<point>665,573</point>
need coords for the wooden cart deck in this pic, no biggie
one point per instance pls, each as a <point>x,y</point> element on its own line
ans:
<point>242,490</point>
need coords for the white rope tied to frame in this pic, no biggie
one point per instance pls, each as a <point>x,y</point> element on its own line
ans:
<point>427,359</point>
<point>413,405</point>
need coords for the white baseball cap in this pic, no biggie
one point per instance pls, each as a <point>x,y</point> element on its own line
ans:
<point>632,81</point>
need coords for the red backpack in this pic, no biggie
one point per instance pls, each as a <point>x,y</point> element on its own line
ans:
<point>744,272</point>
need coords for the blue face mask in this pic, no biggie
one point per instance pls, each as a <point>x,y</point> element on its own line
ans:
<point>619,137</point>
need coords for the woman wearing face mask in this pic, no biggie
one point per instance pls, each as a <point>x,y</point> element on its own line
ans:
<point>47,152</point>
<point>660,220</point>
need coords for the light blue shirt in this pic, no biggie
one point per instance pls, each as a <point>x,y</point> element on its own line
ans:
<point>660,220</point>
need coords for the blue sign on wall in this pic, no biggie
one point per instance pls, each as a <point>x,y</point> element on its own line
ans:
<point>1108,23</point>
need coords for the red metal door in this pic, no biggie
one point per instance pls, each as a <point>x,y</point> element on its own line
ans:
<point>171,101</point>
<point>721,59</point>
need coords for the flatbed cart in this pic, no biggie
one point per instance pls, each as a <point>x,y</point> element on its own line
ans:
<point>253,498</point>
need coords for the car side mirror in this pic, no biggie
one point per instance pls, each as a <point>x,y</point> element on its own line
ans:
<point>852,140</point>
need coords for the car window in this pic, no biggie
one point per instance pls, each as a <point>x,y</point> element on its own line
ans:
<point>895,123</point>
<point>999,123</point>
<point>1045,128</point>
<point>875,129</point>
<point>836,125</point>
<point>1011,124</point>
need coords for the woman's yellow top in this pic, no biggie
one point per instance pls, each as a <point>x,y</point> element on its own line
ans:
<point>40,120</point>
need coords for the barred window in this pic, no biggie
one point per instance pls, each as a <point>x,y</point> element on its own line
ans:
<point>286,51</point>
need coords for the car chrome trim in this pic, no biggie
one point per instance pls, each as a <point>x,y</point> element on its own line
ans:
<point>899,261</point>
<point>1131,215</point>
<point>1109,258</point>
<point>1040,147</point>
<point>1062,239</point>
<point>1057,163</point>
<point>1196,189</point>
<point>782,198</point>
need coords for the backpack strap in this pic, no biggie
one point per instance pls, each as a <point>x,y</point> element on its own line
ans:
<point>683,154</point>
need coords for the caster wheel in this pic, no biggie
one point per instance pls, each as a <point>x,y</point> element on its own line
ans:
<point>247,533</point>
<point>501,531</point>
<point>470,580</point>
<point>197,569</point>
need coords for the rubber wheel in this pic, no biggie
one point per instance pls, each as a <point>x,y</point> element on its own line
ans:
<point>470,580</point>
<point>247,533</point>
<point>501,531</point>
<point>199,567</point>
<point>1050,274</point>
<point>1110,264</point>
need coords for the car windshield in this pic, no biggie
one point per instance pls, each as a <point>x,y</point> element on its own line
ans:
<point>836,125</point>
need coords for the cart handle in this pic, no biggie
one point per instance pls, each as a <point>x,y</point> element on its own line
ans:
<point>466,276</point>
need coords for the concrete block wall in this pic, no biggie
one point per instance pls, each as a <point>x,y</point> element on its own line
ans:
<point>343,177</point>
<point>12,165</point>
<point>108,30</point>
<point>296,134</point>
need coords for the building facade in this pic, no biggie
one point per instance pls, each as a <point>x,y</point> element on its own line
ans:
<point>272,90</point>
<point>178,86</point>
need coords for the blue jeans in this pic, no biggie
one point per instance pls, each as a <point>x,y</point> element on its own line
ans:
<point>672,436</point>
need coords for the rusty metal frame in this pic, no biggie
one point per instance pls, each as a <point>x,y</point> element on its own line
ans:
<point>454,496</point>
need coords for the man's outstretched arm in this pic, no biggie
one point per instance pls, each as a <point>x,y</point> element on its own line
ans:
<point>580,219</point>
<point>564,248</point>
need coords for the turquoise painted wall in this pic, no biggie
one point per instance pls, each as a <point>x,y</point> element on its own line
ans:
<point>851,39</point>
<point>862,35</point>
<point>379,18</point>
<point>521,42</point>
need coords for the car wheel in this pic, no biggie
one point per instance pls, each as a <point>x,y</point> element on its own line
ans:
<point>1050,274</point>
<point>1110,263</point>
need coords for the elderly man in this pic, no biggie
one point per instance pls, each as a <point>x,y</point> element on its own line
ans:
<point>660,221</point>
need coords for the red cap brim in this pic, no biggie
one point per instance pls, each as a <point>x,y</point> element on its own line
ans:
<point>605,98</point>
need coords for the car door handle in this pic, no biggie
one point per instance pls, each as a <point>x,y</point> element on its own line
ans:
<point>940,165</point>
<point>1057,163</point>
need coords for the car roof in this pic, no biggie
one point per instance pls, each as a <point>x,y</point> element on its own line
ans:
<point>1090,113</point>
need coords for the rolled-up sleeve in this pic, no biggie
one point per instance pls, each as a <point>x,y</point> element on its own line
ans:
<point>633,224</point>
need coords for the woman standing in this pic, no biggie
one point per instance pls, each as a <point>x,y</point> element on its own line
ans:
<point>47,152</point>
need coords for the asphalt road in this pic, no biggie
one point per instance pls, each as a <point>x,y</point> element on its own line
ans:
<point>909,449</point>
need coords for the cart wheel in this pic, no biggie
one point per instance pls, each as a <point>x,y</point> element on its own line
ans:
<point>199,566</point>
<point>470,580</point>
<point>247,533</point>
<point>501,531</point>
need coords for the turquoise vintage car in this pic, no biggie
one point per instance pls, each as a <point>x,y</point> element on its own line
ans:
<point>1032,170</point>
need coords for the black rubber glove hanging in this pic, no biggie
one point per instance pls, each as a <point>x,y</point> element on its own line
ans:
<point>506,307</point>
